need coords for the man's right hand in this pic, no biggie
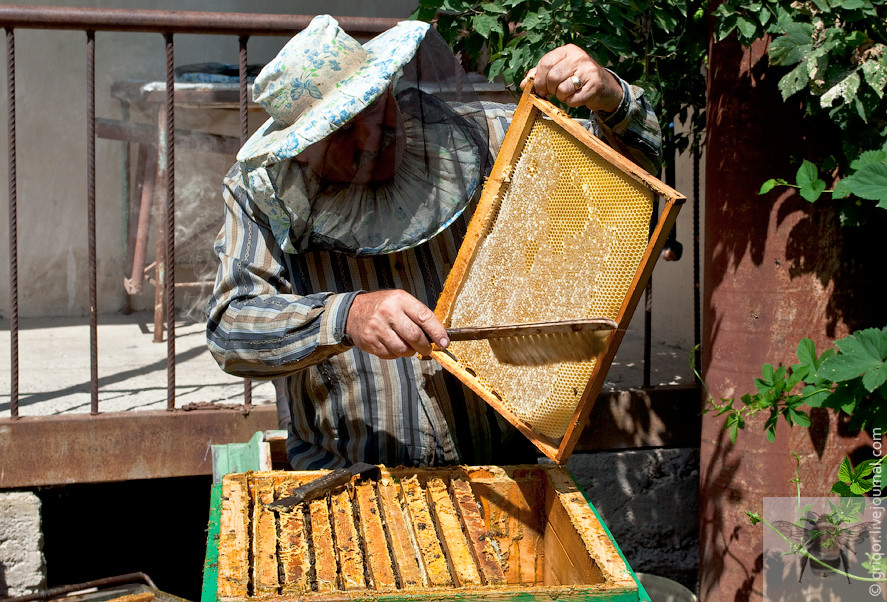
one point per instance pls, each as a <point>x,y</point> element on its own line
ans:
<point>393,323</point>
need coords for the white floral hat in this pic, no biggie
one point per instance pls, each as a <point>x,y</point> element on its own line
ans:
<point>319,81</point>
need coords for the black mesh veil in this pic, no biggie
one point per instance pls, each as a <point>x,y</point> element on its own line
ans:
<point>405,167</point>
<point>449,96</point>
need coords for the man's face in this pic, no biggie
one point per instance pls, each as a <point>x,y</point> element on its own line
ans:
<point>366,149</point>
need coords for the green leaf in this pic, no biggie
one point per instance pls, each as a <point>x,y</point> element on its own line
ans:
<point>859,355</point>
<point>875,339</point>
<point>746,28</point>
<point>865,468</point>
<point>794,81</point>
<point>847,89</point>
<point>812,192</point>
<point>767,186</point>
<point>807,173</point>
<point>859,488</point>
<point>483,23</point>
<point>845,471</point>
<point>807,353</point>
<point>808,181</point>
<point>492,7</point>
<point>792,47</point>
<point>875,74</point>
<point>724,26</point>
<point>846,396</point>
<point>841,489</point>
<point>875,377</point>
<point>800,418</point>
<point>869,158</point>
<point>815,396</point>
<point>530,21</point>
<point>495,68</point>
<point>754,517</point>
<point>869,182</point>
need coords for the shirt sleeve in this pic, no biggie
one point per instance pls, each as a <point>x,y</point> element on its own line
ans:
<point>633,128</point>
<point>257,327</point>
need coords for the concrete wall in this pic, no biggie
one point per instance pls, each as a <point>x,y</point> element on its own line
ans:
<point>22,568</point>
<point>647,498</point>
<point>51,137</point>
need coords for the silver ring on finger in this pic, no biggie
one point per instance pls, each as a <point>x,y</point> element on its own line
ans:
<point>577,83</point>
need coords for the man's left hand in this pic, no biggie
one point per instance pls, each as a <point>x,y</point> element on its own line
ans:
<point>574,78</point>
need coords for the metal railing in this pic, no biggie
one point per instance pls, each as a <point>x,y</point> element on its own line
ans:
<point>97,447</point>
<point>167,23</point>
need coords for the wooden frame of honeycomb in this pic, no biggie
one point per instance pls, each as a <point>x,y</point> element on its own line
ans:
<point>551,196</point>
<point>483,532</point>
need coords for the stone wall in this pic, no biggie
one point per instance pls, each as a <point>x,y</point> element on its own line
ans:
<point>648,499</point>
<point>22,569</point>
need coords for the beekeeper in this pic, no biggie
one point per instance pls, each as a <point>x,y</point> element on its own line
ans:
<point>343,215</point>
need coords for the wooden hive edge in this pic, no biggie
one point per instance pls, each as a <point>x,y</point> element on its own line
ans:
<point>601,548</point>
<point>486,593</point>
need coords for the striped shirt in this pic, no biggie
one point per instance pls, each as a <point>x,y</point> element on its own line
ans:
<point>276,315</point>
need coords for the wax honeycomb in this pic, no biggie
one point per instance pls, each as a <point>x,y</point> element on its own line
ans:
<point>563,241</point>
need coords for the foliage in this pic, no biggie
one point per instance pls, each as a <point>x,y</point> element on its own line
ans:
<point>833,54</point>
<point>855,481</point>
<point>660,46</point>
<point>850,379</point>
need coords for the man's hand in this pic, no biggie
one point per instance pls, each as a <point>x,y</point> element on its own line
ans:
<point>593,86</point>
<point>392,324</point>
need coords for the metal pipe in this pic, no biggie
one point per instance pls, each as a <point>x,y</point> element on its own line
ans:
<point>697,312</point>
<point>13,223</point>
<point>170,226</point>
<point>244,134</point>
<point>148,163</point>
<point>56,592</point>
<point>648,309</point>
<point>159,264</point>
<point>171,22</point>
<point>125,186</point>
<point>90,222</point>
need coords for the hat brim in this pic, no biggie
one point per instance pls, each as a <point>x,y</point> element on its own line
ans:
<point>387,54</point>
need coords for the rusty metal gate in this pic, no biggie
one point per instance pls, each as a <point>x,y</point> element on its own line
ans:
<point>110,446</point>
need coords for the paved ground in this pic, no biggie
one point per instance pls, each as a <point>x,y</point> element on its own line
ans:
<point>54,367</point>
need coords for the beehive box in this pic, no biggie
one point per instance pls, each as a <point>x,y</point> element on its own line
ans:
<point>565,229</point>
<point>498,533</point>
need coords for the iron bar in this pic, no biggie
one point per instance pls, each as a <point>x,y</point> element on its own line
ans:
<point>244,134</point>
<point>648,331</point>
<point>170,225</point>
<point>243,94</point>
<point>648,307</point>
<point>91,20</point>
<point>125,187</point>
<point>90,223</point>
<point>172,22</point>
<point>57,592</point>
<point>697,310</point>
<point>13,223</point>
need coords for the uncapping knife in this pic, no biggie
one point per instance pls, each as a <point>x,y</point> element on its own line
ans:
<point>328,482</point>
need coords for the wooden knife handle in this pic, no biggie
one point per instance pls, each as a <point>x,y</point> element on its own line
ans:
<point>474,333</point>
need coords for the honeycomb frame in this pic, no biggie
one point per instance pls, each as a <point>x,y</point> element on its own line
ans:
<point>565,393</point>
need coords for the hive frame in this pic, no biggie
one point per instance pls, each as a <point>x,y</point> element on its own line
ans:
<point>529,107</point>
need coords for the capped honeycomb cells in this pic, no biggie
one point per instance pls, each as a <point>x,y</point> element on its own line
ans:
<point>564,242</point>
